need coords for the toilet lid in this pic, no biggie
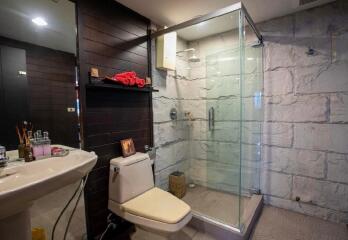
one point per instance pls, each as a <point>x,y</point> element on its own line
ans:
<point>157,205</point>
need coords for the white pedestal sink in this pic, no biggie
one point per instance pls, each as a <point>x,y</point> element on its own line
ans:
<point>21,184</point>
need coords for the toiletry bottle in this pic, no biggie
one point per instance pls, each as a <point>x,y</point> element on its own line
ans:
<point>37,145</point>
<point>28,155</point>
<point>21,149</point>
<point>22,146</point>
<point>2,152</point>
<point>3,159</point>
<point>46,145</point>
<point>34,146</point>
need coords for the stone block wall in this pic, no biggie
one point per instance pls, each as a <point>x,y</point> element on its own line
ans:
<point>305,136</point>
<point>304,164</point>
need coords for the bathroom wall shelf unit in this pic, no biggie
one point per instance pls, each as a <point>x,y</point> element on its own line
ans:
<point>119,87</point>
<point>115,109</point>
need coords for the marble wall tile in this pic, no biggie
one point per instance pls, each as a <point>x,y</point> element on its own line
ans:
<point>282,27</point>
<point>295,161</point>
<point>321,47</point>
<point>315,22</point>
<point>171,154</point>
<point>223,86</point>
<point>326,137</point>
<point>168,132</point>
<point>337,167</point>
<point>279,54</point>
<point>339,46</point>
<point>198,70</point>
<point>339,108</point>
<point>163,106</point>
<point>276,184</point>
<point>278,134</point>
<point>279,82</point>
<point>297,108</point>
<point>321,78</point>
<point>322,193</point>
<point>213,173</point>
<point>307,209</point>
<point>162,177</point>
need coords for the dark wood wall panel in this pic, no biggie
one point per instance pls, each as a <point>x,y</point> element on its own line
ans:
<point>114,39</point>
<point>51,78</point>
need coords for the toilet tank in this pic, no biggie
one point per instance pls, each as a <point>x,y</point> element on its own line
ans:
<point>130,177</point>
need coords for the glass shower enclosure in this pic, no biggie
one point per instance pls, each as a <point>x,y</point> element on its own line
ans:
<point>222,53</point>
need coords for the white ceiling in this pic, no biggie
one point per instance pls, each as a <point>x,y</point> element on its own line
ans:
<point>210,27</point>
<point>60,32</point>
<point>171,12</point>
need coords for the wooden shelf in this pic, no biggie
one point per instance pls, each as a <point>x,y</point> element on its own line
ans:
<point>119,87</point>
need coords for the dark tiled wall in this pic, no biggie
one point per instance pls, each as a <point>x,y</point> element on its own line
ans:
<point>51,79</point>
<point>113,39</point>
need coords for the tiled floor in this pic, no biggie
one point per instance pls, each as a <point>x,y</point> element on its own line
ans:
<point>46,210</point>
<point>274,224</point>
<point>187,233</point>
<point>218,205</point>
<point>280,224</point>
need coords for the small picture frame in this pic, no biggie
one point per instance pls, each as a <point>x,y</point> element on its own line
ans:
<point>127,146</point>
<point>94,72</point>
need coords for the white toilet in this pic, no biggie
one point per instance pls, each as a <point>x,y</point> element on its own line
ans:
<point>133,196</point>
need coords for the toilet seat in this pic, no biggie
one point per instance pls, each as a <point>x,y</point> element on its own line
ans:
<point>157,205</point>
<point>156,209</point>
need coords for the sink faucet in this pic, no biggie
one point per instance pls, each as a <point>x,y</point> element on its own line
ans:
<point>3,158</point>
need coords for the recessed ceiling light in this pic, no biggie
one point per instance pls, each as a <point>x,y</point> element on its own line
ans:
<point>39,21</point>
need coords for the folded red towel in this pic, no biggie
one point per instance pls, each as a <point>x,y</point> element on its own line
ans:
<point>140,82</point>
<point>132,81</point>
<point>129,79</point>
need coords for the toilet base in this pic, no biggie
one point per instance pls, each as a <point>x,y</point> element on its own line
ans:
<point>151,233</point>
<point>146,233</point>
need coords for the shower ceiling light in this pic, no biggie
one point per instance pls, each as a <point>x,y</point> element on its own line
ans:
<point>39,21</point>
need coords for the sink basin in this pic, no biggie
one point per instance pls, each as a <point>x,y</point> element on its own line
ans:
<point>6,172</point>
<point>22,184</point>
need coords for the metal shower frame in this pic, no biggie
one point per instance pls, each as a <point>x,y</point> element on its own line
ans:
<point>217,13</point>
<point>197,20</point>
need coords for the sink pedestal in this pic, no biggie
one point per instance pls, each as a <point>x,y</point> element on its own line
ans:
<point>17,226</point>
<point>23,183</point>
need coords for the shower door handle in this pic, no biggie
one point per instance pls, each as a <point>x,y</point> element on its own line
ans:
<point>211,118</point>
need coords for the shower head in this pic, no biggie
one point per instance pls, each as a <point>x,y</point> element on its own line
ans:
<point>194,58</point>
<point>186,50</point>
<point>257,44</point>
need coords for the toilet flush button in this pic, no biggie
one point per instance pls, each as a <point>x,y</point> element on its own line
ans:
<point>116,171</point>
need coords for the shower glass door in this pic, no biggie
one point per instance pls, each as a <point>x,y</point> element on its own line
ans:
<point>234,83</point>
<point>223,77</point>
<point>251,115</point>
<point>223,130</point>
